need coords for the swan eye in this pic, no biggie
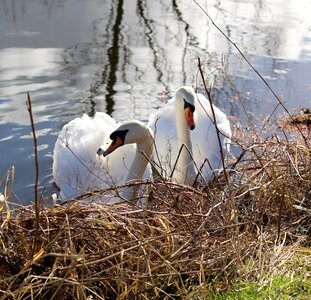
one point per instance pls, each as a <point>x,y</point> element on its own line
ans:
<point>118,134</point>
<point>114,135</point>
<point>188,105</point>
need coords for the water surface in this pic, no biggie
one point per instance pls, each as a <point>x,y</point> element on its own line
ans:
<point>83,56</point>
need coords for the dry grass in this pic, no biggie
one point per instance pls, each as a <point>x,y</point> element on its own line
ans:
<point>185,237</point>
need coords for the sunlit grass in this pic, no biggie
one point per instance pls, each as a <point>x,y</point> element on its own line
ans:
<point>292,281</point>
<point>279,287</point>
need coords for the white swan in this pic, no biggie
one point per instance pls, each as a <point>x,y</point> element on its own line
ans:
<point>77,168</point>
<point>187,119</point>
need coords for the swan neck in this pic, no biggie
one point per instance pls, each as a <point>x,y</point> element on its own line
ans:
<point>185,171</point>
<point>143,155</point>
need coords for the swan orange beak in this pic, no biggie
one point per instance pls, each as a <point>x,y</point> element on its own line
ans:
<point>189,118</point>
<point>113,146</point>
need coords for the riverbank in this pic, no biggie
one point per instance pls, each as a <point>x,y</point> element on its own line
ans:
<point>244,235</point>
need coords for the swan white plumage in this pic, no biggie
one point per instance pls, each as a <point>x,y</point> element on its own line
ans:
<point>187,119</point>
<point>77,168</point>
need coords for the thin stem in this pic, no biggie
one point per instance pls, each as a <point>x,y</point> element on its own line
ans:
<point>37,208</point>
<point>214,121</point>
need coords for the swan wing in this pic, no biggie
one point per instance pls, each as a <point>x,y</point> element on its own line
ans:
<point>163,124</point>
<point>206,148</point>
<point>77,168</point>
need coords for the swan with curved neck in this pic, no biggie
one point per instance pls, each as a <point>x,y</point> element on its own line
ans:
<point>132,132</point>
<point>77,169</point>
<point>186,139</point>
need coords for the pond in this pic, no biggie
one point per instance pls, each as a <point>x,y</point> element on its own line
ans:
<point>83,56</point>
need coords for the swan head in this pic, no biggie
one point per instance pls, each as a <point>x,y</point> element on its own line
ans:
<point>128,133</point>
<point>187,95</point>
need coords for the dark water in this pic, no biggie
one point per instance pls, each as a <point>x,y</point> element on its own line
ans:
<point>82,56</point>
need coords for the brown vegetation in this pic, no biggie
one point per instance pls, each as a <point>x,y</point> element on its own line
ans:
<point>185,237</point>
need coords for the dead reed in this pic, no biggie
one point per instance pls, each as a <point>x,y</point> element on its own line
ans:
<point>184,238</point>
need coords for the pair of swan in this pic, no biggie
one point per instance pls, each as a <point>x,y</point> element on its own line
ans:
<point>180,138</point>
